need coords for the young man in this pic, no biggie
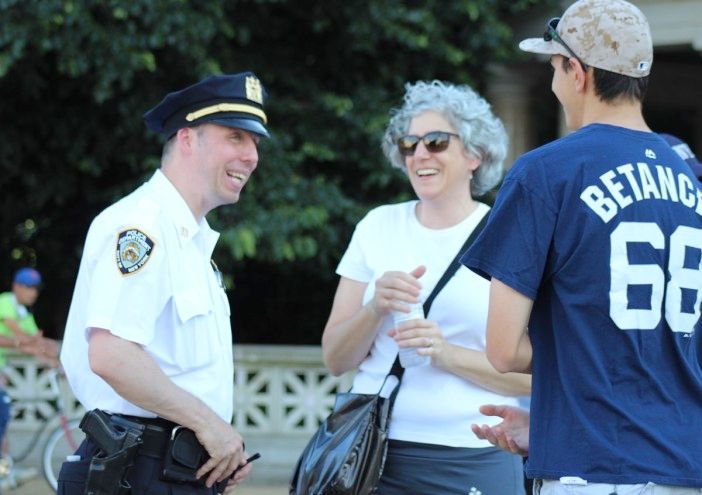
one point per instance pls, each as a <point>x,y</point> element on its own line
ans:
<point>594,245</point>
<point>512,434</point>
<point>148,338</point>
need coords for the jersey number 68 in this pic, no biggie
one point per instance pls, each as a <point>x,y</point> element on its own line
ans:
<point>680,315</point>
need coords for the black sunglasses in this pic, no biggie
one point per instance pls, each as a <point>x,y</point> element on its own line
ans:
<point>552,34</point>
<point>434,142</point>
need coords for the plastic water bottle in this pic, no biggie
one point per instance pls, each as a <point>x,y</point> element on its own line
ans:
<point>408,355</point>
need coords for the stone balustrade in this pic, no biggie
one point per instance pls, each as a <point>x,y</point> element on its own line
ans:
<point>281,395</point>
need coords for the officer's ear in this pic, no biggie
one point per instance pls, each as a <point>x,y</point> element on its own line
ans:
<point>185,140</point>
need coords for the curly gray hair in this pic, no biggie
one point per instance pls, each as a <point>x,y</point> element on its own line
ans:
<point>481,132</point>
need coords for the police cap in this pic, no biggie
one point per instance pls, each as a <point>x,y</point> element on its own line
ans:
<point>231,100</point>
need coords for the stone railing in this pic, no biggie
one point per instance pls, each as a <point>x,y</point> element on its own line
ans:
<point>281,395</point>
<point>34,394</point>
<point>282,389</point>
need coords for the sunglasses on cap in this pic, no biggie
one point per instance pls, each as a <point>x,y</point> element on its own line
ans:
<point>434,142</point>
<point>552,34</point>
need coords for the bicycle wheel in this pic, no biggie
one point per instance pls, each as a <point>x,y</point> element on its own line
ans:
<point>62,441</point>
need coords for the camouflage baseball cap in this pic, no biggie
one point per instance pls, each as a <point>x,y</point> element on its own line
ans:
<point>612,35</point>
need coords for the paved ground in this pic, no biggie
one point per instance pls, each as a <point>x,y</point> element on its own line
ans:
<point>38,486</point>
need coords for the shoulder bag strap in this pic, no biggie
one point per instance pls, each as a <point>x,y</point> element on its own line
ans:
<point>397,368</point>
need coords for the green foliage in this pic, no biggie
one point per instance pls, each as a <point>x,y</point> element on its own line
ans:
<point>76,77</point>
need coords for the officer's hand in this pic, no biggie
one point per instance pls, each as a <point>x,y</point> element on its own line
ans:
<point>240,476</point>
<point>226,449</point>
<point>243,471</point>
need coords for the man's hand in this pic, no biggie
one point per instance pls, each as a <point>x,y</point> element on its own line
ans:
<point>241,474</point>
<point>38,345</point>
<point>512,434</point>
<point>226,449</point>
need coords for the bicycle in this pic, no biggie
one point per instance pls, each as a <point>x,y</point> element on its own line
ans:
<point>63,438</point>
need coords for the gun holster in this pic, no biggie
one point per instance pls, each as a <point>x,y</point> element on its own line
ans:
<point>119,441</point>
<point>107,475</point>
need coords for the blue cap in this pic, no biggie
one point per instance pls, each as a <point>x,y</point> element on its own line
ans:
<point>231,100</point>
<point>27,276</point>
<point>683,149</point>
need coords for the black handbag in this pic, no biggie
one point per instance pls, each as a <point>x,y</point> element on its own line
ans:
<point>347,453</point>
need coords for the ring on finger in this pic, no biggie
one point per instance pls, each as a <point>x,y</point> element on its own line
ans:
<point>431,342</point>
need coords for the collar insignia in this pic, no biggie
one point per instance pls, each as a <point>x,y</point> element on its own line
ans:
<point>133,250</point>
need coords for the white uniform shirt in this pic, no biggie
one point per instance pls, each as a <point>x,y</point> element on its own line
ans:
<point>433,406</point>
<point>172,305</point>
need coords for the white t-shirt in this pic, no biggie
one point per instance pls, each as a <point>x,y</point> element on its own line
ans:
<point>161,292</point>
<point>433,405</point>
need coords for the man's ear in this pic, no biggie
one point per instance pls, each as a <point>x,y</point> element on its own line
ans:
<point>582,77</point>
<point>185,139</point>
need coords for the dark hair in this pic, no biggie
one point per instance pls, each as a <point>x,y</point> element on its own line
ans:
<point>610,86</point>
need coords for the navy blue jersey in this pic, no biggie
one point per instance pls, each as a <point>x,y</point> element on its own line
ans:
<point>603,231</point>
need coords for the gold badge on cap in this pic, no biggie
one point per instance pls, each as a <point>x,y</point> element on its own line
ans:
<point>133,250</point>
<point>254,92</point>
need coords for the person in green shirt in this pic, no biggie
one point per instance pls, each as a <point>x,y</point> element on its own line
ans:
<point>19,330</point>
<point>17,325</point>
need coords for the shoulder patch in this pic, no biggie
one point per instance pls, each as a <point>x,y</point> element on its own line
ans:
<point>133,250</point>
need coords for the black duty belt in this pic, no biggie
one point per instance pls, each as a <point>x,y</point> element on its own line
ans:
<point>157,433</point>
<point>177,447</point>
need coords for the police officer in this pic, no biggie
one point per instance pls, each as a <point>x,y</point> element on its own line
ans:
<point>148,337</point>
<point>512,434</point>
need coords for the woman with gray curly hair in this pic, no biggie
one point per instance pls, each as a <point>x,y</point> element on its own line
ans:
<point>481,133</point>
<point>451,146</point>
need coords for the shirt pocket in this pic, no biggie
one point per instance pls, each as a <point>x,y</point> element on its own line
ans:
<point>196,330</point>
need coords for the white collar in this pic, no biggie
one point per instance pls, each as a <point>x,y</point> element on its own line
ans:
<point>178,210</point>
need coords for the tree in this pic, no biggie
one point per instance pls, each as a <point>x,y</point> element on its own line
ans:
<point>76,77</point>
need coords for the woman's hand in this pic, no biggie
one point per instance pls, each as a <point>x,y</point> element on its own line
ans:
<point>425,335</point>
<point>394,290</point>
